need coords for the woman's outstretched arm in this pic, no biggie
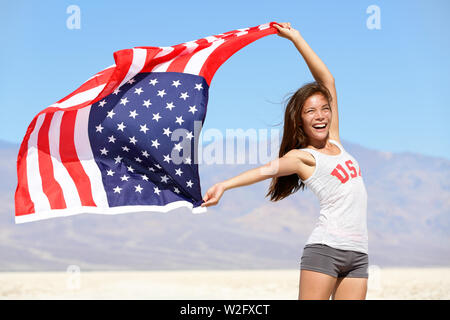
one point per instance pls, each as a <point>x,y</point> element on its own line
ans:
<point>318,70</point>
<point>290,163</point>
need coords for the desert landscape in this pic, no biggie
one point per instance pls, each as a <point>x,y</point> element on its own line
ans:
<point>384,283</point>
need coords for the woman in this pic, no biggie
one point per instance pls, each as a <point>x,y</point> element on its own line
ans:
<point>335,258</point>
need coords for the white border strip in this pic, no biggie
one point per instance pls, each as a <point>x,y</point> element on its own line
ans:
<point>108,211</point>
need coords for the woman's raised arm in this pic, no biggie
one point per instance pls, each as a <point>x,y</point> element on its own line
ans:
<point>318,70</point>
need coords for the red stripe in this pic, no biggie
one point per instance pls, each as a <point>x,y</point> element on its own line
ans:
<point>70,160</point>
<point>179,63</point>
<point>227,49</point>
<point>22,199</point>
<point>50,186</point>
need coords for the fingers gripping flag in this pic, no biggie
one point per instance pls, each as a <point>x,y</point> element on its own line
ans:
<point>126,140</point>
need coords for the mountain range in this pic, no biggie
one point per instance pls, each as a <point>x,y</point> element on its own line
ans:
<point>408,222</point>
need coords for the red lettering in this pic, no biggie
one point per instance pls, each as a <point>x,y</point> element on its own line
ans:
<point>360,171</point>
<point>336,173</point>
<point>350,166</point>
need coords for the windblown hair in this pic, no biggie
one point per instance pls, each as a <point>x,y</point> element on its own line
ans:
<point>294,138</point>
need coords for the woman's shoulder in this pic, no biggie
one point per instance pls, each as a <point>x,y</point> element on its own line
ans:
<point>304,156</point>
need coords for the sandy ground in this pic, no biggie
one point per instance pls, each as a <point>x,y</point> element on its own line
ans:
<point>384,283</point>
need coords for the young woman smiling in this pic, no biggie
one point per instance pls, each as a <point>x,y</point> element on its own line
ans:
<point>335,258</point>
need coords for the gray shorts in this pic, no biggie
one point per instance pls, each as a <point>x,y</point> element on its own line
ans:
<point>335,262</point>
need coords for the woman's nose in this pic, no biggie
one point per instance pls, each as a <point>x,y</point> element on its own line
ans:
<point>320,115</point>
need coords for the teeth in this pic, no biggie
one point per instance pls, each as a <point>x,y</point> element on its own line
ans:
<point>320,126</point>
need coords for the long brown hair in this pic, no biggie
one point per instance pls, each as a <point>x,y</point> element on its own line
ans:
<point>294,138</point>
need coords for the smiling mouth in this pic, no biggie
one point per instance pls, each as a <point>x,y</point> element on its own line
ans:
<point>320,127</point>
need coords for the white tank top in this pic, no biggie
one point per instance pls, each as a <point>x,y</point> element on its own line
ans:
<point>338,184</point>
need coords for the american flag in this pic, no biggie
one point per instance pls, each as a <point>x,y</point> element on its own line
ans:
<point>126,139</point>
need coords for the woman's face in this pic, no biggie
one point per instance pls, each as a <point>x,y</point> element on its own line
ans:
<point>316,117</point>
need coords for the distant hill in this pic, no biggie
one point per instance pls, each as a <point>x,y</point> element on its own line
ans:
<point>408,220</point>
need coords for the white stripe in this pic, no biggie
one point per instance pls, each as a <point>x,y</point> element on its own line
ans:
<point>264,26</point>
<point>110,211</point>
<point>79,98</point>
<point>189,47</point>
<point>60,172</point>
<point>242,32</point>
<point>84,152</point>
<point>139,56</point>
<point>165,51</point>
<point>100,73</point>
<point>37,195</point>
<point>196,62</point>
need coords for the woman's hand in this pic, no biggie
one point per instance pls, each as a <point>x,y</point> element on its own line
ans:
<point>286,31</point>
<point>213,195</point>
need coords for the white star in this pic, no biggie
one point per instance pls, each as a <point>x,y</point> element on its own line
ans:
<point>104,151</point>
<point>176,83</point>
<point>170,106</point>
<point>167,158</point>
<point>138,91</point>
<point>133,114</point>
<point>144,177</point>
<point>118,159</point>
<point>125,148</point>
<point>124,101</point>
<point>176,190</point>
<point>145,153</point>
<point>144,128</point>
<point>155,143</point>
<point>156,117</point>
<point>178,172</point>
<point>189,183</point>
<point>178,146</point>
<point>121,126</point>
<point>192,109</point>
<point>138,188</point>
<point>167,131</point>
<point>179,120</point>
<point>189,135</point>
<point>188,160</point>
<point>161,93</point>
<point>124,178</point>
<point>112,139</point>
<point>117,189</point>
<point>133,140</point>
<point>110,173</point>
<point>184,96</point>
<point>147,103</point>
<point>130,168</point>
<point>164,179</point>
<point>102,103</point>
<point>138,159</point>
<point>158,166</point>
<point>99,128</point>
<point>153,82</point>
<point>198,86</point>
<point>131,81</point>
<point>116,92</point>
<point>156,190</point>
<point>111,114</point>
<point>151,169</point>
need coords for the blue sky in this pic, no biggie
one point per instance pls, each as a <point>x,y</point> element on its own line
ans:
<point>392,83</point>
